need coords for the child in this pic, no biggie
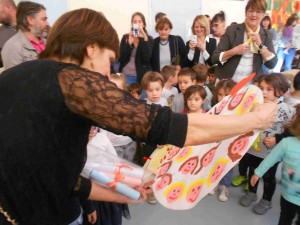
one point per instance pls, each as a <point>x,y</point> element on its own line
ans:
<point>272,87</point>
<point>294,98</point>
<point>194,97</point>
<point>135,89</point>
<point>212,79</point>
<point>170,74</point>
<point>152,84</point>
<point>287,151</point>
<point>186,78</point>
<point>223,89</point>
<point>201,76</point>
<point>124,145</point>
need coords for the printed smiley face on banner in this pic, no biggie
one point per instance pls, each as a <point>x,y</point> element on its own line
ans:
<point>188,174</point>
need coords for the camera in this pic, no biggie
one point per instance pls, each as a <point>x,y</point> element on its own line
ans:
<point>194,38</point>
<point>135,28</point>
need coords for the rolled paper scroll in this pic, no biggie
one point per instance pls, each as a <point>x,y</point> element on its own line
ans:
<point>115,185</point>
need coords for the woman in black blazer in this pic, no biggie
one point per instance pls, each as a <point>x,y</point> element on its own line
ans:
<point>200,48</point>
<point>135,51</point>
<point>167,49</point>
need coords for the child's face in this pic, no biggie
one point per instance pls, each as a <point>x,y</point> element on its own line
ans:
<point>268,92</point>
<point>135,95</point>
<point>174,80</point>
<point>212,78</point>
<point>185,81</point>
<point>154,91</point>
<point>221,94</point>
<point>194,103</point>
<point>119,83</point>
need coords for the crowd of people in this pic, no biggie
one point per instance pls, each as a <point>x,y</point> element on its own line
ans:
<point>64,87</point>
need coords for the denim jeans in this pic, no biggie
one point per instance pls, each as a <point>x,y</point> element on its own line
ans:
<point>226,180</point>
<point>287,59</point>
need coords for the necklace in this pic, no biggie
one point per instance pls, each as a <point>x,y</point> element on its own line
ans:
<point>163,42</point>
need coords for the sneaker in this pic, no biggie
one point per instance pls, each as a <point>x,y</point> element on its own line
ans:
<point>238,180</point>
<point>151,199</point>
<point>248,198</point>
<point>246,188</point>
<point>223,197</point>
<point>262,207</point>
<point>212,192</point>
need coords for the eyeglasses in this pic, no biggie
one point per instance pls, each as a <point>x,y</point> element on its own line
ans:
<point>252,11</point>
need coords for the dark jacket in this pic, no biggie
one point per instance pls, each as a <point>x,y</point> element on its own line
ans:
<point>173,41</point>
<point>142,57</point>
<point>210,48</point>
<point>233,37</point>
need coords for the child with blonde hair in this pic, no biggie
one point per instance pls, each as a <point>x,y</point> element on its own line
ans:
<point>170,74</point>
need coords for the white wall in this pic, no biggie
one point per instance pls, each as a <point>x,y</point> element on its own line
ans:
<point>234,9</point>
<point>180,12</point>
<point>118,12</point>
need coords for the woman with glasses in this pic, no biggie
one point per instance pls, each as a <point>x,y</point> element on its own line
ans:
<point>245,47</point>
<point>218,26</point>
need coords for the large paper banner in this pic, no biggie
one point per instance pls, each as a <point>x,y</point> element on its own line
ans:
<point>188,174</point>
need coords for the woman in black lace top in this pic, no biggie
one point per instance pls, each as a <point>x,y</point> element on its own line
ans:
<point>49,105</point>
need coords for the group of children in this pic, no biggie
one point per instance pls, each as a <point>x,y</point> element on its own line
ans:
<point>196,95</point>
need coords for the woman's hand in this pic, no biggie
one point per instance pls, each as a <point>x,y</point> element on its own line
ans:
<point>130,38</point>
<point>254,180</point>
<point>266,114</point>
<point>241,49</point>
<point>143,34</point>
<point>201,46</point>
<point>192,45</point>
<point>255,38</point>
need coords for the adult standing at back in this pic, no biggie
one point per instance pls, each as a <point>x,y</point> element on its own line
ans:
<point>201,48</point>
<point>286,50</point>
<point>218,24</point>
<point>245,47</point>
<point>28,42</point>
<point>167,49</point>
<point>8,20</point>
<point>135,50</point>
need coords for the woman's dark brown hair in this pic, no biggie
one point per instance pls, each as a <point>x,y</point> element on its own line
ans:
<point>260,5</point>
<point>75,30</point>
<point>143,19</point>
<point>268,19</point>
<point>162,23</point>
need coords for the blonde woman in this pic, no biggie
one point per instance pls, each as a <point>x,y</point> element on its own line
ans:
<point>201,47</point>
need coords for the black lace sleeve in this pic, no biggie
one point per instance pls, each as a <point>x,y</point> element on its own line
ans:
<point>93,96</point>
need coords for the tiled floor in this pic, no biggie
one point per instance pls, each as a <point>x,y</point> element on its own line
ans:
<point>209,211</point>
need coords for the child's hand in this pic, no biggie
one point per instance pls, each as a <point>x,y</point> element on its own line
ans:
<point>93,132</point>
<point>145,190</point>
<point>270,141</point>
<point>92,217</point>
<point>254,180</point>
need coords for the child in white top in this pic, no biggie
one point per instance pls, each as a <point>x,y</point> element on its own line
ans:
<point>294,98</point>
<point>124,145</point>
<point>152,84</point>
<point>186,78</point>
<point>170,74</point>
